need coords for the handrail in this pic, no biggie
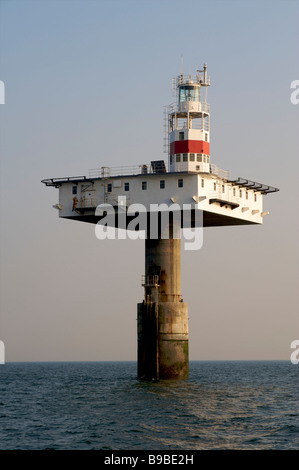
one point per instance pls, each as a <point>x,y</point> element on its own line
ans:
<point>150,280</point>
<point>106,172</point>
<point>197,79</point>
<point>223,174</point>
<point>174,107</point>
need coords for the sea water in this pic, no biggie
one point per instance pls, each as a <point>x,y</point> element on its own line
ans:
<point>103,406</point>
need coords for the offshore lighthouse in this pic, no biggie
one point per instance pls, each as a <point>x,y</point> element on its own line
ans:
<point>198,194</point>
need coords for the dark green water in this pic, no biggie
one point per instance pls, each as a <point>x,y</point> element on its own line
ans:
<point>102,405</point>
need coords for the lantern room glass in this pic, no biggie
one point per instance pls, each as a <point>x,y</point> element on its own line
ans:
<point>189,93</point>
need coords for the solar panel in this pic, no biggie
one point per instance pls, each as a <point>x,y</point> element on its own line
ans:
<point>158,166</point>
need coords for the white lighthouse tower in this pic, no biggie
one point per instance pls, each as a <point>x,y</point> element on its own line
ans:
<point>189,124</point>
<point>189,179</point>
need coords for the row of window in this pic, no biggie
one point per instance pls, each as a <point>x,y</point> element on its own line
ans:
<point>191,157</point>
<point>144,185</point>
<point>234,191</point>
<point>180,185</point>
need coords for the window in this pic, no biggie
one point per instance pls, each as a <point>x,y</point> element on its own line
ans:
<point>181,135</point>
<point>199,157</point>
<point>144,185</point>
<point>178,157</point>
<point>206,137</point>
<point>246,194</point>
<point>234,191</point>
<point>170,159</point>
<point>180,183</point>
<point>205,158</point>
<point>192,157</point>
<point>223,188</point>
<point>198,167</point>
<point>202,183</point>
<point>208,159</point>
<point>189,93</point>
<point>240,193</point>
<point>162,184</point>
<point>109,188</point>
<point>255,198</point>
<point>127,186</point>
<point>185,157</point>
<point>74,189</point>
<point>215,186</point>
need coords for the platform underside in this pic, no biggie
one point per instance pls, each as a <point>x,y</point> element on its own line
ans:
<point>210,219</point>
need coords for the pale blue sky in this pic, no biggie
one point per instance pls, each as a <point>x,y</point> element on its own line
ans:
<point>86,82</point>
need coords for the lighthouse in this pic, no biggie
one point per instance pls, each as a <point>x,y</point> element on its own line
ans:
<point>189,124</point>
<point>192,191</point>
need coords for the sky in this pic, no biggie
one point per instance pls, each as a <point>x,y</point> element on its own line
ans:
<point>85,85</point>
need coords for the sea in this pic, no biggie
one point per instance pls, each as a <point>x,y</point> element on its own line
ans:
<point>224,405</point>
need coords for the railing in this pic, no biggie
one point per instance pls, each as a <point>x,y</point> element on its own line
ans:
<point>223,174</point>
<point>150,281</point>
<point>196,79</point>
<point>88,202</point>
<point>227,195</point>
<point>200,124</point>
<point>106,172</point>
<point>84,203</point>
<point>174,107</point>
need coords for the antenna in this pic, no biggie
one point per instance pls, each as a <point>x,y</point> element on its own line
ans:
<point>182,68</point>
<point>205,73</point>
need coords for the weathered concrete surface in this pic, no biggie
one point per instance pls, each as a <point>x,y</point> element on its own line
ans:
<point>163,341</point>
<point>163,257</point>
<point>147,330</point>
<point>163,317</point>
<point>173,340</point>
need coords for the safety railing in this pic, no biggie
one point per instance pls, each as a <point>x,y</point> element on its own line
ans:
<point>223,174</point>
<point>175,108</point>
<point>84,203</point>
<point>197,79</point>
<point>224,193</point>
<point>150,280</point>
<point>106,172</point>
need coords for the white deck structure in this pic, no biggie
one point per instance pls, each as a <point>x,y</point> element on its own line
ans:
<point>188,177</point>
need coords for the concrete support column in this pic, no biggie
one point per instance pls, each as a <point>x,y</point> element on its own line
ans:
<point>163,258</point>
<point>163,317</point>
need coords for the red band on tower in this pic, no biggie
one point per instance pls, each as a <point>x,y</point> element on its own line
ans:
<point>190,146</point>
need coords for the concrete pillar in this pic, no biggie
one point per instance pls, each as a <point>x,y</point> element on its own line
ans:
<point>163,258</point>
<point>163,317</point>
